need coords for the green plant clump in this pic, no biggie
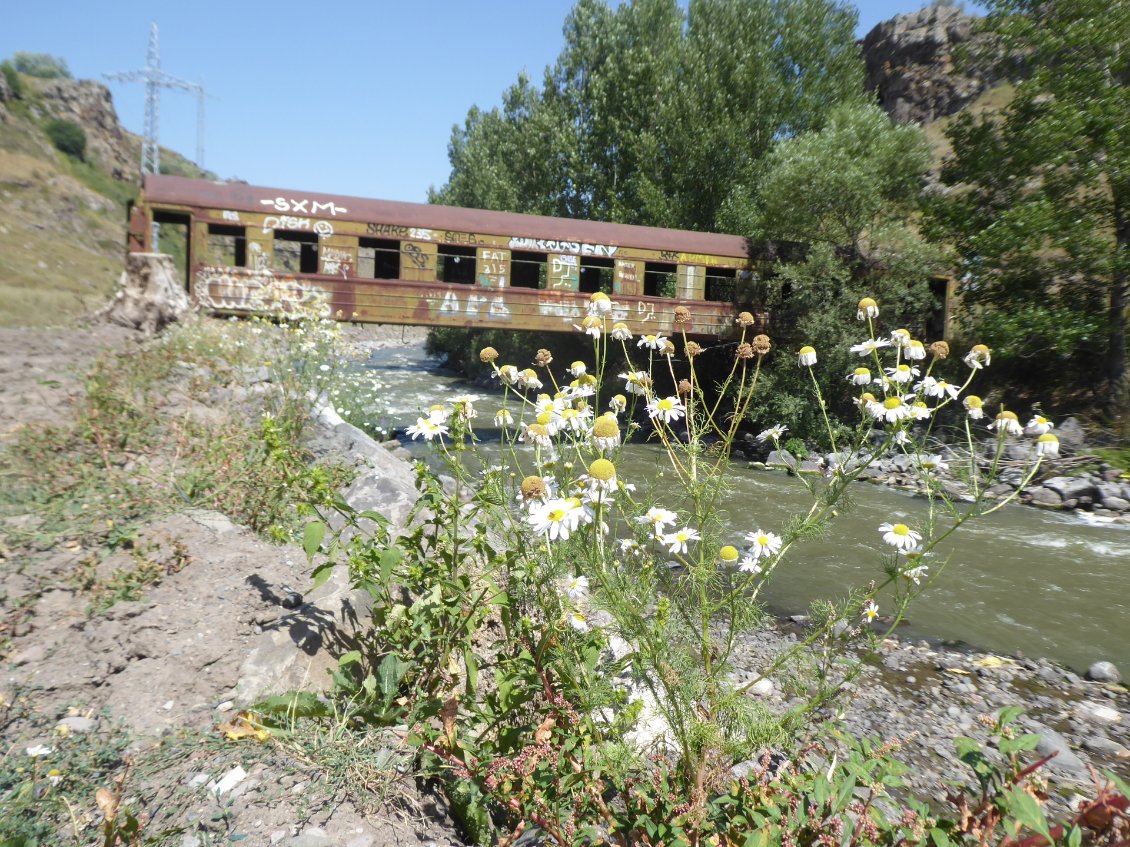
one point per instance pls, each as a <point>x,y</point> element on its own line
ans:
<point>67,136</point>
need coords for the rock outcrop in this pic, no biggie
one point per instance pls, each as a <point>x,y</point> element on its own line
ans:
<point>89,104</point>
<point>912,64</point>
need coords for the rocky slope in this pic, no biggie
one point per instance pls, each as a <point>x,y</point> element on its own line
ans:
<point>928,64</point>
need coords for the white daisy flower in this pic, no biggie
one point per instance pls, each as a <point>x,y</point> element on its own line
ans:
<point>618,403</point>
<point>427,429</point>
<point>677,541</point>
<point>578,369</point>
<point>630,547</point>
<point>860,376</point>
<point>653,342</point>
<point>590,326</point>
<point>901,337</point>
<point>537,434</point>
<point>658,519</point>
<point>915,350</point>
<point>577,588</point>
<point>974,406</point>
<point>807,356</point>
<point>503,418</point>
<point>870,611</point>
<point>916,574</point>
<point>868,308</point>
<point>934,463</point>
<point>749,564</point>
<point>775,432</point>
<point>667,409</point>
<point>528,379</point>
<point>1039,425</point>
<point>919,411</point>
<point>577,621</point>
<point>557,518</point>
<point>507,375</point>
<point>1047,445</point>
<point>900,536</point>
<point>38,751</point>
<point>606,433</point>
<point>871,345</point>
<point>932,387</point>
<point>763,544</point>
<point>620,332</point>
<point>464,404</point>
<point>636,382</point>
<point>1007,422</point>
<point>891,410</point>
<point>599,304</point>
<point>901,374</point>
<point>978,357</point>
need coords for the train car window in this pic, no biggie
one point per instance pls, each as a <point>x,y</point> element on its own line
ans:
<point>596,275</point>
<point>721,285</point>
<point>227,245</point>
<point>527,270</point>
<point>296,252</point>
<point>659,279</point>
<point>378,258</point>
<point>456,264</point>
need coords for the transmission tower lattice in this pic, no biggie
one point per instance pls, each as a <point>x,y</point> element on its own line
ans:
<point>155,79</point>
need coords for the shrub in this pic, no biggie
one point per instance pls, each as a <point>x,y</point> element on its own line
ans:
<point>42,65</point>
<point>67,136</point>
<point>13,78</point>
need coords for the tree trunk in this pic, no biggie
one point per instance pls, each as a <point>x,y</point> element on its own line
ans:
<point>1120,281</point>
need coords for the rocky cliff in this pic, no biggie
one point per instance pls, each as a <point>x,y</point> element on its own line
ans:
<point>913,64</point>
<point>90,105</point>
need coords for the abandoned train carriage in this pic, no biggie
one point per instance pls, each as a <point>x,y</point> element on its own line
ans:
<point>414,263</point>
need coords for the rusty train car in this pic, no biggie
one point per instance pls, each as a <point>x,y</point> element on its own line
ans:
<point>413,263</point>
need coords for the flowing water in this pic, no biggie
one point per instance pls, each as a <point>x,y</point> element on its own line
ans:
<point>1044,583</point>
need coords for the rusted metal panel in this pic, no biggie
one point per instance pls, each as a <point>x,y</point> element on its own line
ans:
<point>628,279</point>
<point>493,267</point>
<point>524,232</point>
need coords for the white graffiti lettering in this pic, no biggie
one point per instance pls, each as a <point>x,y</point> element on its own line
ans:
<point>473,303</point>
<point>645,311</point>
<point>420,234</point>
<point>259,291</point>
<point>577,247</point>
<point>499,309</point>
<point>450,304</point>
<point>231,216</point>
<point>324,228</point>
<point>567,310</point>
<point>272,222</point>
<point>284,204</point>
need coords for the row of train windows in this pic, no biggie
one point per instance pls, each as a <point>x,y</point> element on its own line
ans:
<point>377,258</point>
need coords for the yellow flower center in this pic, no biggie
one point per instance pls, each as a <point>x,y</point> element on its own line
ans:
<point>862,372</point>
<point>900,529</point>
<point>728,554</point>
<point>973,401</point>
<point>603,470</point>
<point>806,350</point>
<point>544,418</point>
<point>597,296</point>
<point>892,403</point>
<point>533,486</point>
<point>556,515</point>
<point>762,540</point>
<point>605,427</point>
<point>537,430</point>
<point>665,405</point>
<point>1008,416</point>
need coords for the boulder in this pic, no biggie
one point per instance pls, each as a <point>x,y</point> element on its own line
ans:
<point>1071,435</point>
<point>1045,497</point>
<point>1104,672</point>
<point>1072,487</point>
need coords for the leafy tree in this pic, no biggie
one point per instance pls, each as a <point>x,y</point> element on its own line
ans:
<point>655,116</point>
<point>1040,201</point>
<point>42,65</point>
<point>67,136</point>
<point>847,190</point>
<point>12,77</point>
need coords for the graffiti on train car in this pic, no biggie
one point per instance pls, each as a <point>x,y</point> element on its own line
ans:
<point>240,289</point>
<point>474,305</point>
<point>299,207</point>
<point>273,222</point>
<point>577,247</point>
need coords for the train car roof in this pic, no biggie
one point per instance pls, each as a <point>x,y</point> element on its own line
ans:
<point>238,196</point>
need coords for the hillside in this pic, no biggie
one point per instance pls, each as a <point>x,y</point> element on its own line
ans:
<point>63,225</point>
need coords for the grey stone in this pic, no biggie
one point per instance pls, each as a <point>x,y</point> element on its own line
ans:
<point>1104,672</point>
<point>1065,760</point>
<point>1071,487</point>
<point>781,459</point>
<point>77,724</point>
<point>1045,497</point>
<point>1104,746</point>
<point>311,837</point>
<point>1116,504</point>
<point>1070,434</point>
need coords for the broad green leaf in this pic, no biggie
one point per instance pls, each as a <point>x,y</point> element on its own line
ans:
<point>312,538</point>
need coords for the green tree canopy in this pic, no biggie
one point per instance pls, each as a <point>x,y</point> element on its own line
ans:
<point>42,65</point>
<point>1040,201</point>
<point>655,116</point>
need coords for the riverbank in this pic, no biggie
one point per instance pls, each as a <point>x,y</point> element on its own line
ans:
<point>164,675</point>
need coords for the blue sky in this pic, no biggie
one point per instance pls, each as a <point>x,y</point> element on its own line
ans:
<point>346,98</point>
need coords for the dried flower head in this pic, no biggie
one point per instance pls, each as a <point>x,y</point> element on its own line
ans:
<point>745,351</point>
<point>691,349</point>
<point>682,315</point>
<point>939,349</point>
<point>745,319</point>
<point>684,388</point>
<point>668,348</point>
<point>534,488</point>
<point>762,344</point>
<point>488,355</point>
<point>544,358</point>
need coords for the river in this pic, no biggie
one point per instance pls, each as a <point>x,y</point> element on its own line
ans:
<point>1047,584</point>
